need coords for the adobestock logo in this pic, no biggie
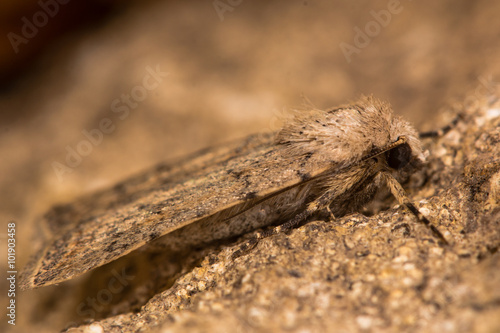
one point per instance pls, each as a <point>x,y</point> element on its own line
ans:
<point>221,7</point>
<point>372,29</point>
<point>486,86</point>
<point>93,305</point>
<point>29,30</point>
<point>121,106</point>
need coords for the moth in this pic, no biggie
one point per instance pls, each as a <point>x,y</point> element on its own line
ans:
<point>332,160</point>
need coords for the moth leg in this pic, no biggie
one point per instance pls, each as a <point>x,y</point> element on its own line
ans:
<point>400,195</point>
<point>442,131</point>
<point>330,212</point>
<point>321,202</point>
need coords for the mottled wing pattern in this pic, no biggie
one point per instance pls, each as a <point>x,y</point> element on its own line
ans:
<point>105,226</point>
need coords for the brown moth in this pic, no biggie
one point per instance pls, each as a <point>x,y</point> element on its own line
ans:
<point>334,160</point>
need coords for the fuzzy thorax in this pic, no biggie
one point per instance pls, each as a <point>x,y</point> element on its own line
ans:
<point>345,134</point>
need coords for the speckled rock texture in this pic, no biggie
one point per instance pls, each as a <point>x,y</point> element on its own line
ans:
<point>380,273</point>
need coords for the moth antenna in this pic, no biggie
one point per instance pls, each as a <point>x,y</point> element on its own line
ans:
<point>401,140</point>
<point>399,193</point>
<point>440,132</point>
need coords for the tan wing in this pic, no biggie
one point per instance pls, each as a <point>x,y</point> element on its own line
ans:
<point>107,225</point>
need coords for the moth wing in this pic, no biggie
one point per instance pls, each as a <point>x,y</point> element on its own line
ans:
<point>100,228</point>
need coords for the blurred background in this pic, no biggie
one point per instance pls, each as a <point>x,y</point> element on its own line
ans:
<point>94,91</point>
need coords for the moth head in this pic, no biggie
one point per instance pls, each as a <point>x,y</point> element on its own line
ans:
<point>408,156</point>
<point>410,151</point>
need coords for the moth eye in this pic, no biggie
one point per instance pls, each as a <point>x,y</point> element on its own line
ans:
<point>399,156</point>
